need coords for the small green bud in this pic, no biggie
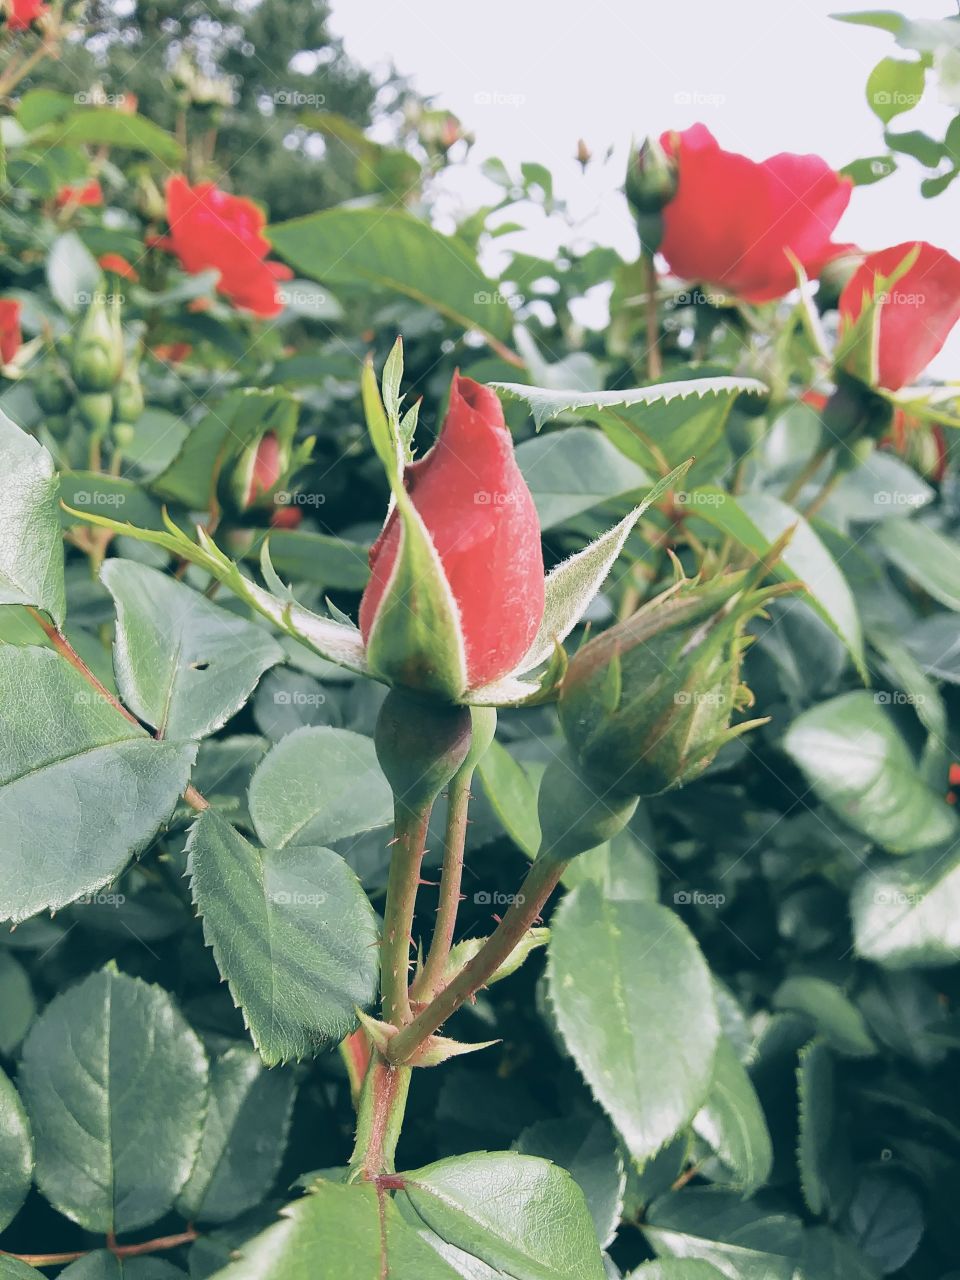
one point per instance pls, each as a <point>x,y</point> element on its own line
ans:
<point>98,352</point>
<point>96,410</point>
<point>58,424</point>
<point>128,401</point>
<point>648,704</point>
<point>652,178</point>
<point>576,812</point>
<point>53,392</point>
<point>420,744</point>
<point>124,434</point>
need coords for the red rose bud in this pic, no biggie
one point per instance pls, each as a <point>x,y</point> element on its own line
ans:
<point>480,518</point>
<point>91,194</point>
<point>10,337</point>
<point>260,469</point>
<point>896,312</point>
<point>210,229</point>
<point>98,352</point>
<point>733,220</point>
<point>647,705</point>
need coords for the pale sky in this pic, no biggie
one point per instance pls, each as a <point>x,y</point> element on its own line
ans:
<point>530,77</point>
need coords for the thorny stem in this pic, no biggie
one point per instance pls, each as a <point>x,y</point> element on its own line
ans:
<point>410,826</point>
<point>654,360</point>
<point>118,1250</point>
<point>429,979</point>
<point>383,1101</point>
<point>522,914</point>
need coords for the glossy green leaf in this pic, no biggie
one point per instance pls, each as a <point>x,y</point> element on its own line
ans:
<point>676,1269</point>
<point>17,1004</point>
<point>857,763</point>
<point>318,785</point>
<point>571,471</point>
<point>886,1220</point>
<point>345,1231</point>
<point>523,1216</point>
<point>81,788</point>
<point>586,1147</point>
<point>732,1123</point>
<point>115,1084</point>
<point>12,1269</point>
<point>391,250</point>
<point>183,665</point>
<point>634,1004</point>
<point>829,1256</point>
<point>88,491</point>
<point>105,126</point>
<point>907,913</point>
<point>743,1241</point>
<point>337,564</point>
<point>244,1138</point>
<point>16,1152</point>
<point>103,1265</point>
<point>292,932</point>
<point>513,794</point>
<point>756,521</point>
<point>73,274</point>
<point>928,558</point>
<point>31,553</point>
<point>835,1016</point>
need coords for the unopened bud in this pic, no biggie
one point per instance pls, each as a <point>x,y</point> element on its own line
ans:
<point>259,470</point>
<point>128,401</point>
<point>96,410</point>
<point>98,351</point>
<point>53,392</point>
<point>651,181</point>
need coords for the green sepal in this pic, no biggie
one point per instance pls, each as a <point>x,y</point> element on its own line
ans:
<point>858,347</point>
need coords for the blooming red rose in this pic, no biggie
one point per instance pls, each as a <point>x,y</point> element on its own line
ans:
<point>21,14</point>
<point>91,193</point>
<point>478,511</point>
<point>210,229</point>
<point>914,314</point>
<point>733,219</point>
<point>10,339</point>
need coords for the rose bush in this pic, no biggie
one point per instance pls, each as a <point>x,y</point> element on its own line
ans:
<point>482,804</point>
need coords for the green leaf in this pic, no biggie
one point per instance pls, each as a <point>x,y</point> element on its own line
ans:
<point>523,1216</point>
<point>115,1084</point>
<point>513,795</point>
<point>337,564</point>
<point>292,932</point>
<point>73,273</point>
<point>81,788</point>
<point>104,1265</point>
<point>906,914</point>
<point>16,1152</point>
<point>318,785</point>
<point>585,1146</point>
<point>571,471</point>
<point>853,757</point>
<point>894,86</point>
<point>886,1220</point>
<point>732,1123</point>
<point>389,249</point>
<point>88,491</point>
<point>823,1157</point>
<point>12,1269</point>
<point>105,126</point>
<point>17,1005</point>
<point>183,665</point>
<point>348,1231</point>
<point>828,1256</point>
<point>743,1241</point>
<point>836,1017</point>
<point>244,1138</point>
<point>931,560</point>
<point>31,551</point>
<point>882,19</point>
<point>756,521</point>
<point>634,1004</point>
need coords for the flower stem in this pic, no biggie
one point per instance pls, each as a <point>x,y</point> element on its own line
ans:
<point>654,360</point>
<point>410,826</point>
<point>429,979</point>
<point>523,912</point>
<point>806,475</point>
<point>383,1101</point>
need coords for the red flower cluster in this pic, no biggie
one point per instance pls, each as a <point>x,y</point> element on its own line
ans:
<point>210,229</point>
<point>478,511</point>
<point>21,14</point>
<point>733,220</point>
<point>91,193</point>
<point>916,313</point>
<point>10,338</point>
